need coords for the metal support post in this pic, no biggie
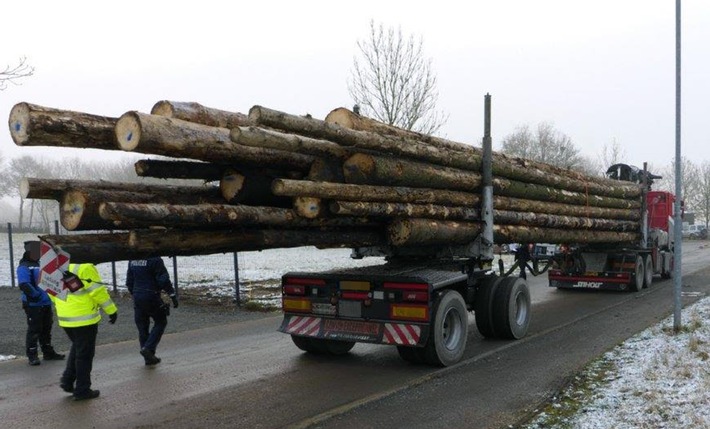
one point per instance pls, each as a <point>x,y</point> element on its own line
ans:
<point>236,280</point>
<point>12,255</point>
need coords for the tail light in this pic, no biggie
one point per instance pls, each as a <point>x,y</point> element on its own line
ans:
<point>300,286</point>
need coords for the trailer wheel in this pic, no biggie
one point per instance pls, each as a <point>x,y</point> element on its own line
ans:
<point>511,308</point>
<point>411,354</point>
<point>638,282</point>
<point>305,344</point>
<point>483,306</point>
<point>667,274</point>
<point>647,271</point>
<point>447,341</point>
<point>336,347</point>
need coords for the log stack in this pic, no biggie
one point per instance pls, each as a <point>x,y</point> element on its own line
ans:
<point>288,181</point>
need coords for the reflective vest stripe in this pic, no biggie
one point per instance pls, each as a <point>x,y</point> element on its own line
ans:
<point>79,318</point>
<point>86,290</point>
<point>106,304</point>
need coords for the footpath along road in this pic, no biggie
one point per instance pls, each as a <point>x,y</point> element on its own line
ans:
<point>245,374</point>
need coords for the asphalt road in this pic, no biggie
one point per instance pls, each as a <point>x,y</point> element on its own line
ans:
<point>245,374</point>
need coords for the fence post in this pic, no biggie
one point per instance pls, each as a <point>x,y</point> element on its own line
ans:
<point>236,280</point>
<point>56,227</point>
<point>175,276</point>
<point>12,259</point>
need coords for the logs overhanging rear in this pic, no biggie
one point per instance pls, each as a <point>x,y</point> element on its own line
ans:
<point>287,181</point>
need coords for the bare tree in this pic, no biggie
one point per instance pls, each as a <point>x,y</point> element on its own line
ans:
<point>690,183</point>
<point>612,154</point>
<point>545,144</point>
<point>12,74</point>
<point>25,166</point>
<point>393,82</point>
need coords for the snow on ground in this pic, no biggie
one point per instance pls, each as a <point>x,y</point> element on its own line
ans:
<point>656,379</point>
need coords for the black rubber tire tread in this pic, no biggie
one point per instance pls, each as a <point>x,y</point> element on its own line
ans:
<point>435,352</point>
<point>648,271</point>
<point>305,344</point>
<point>505,308</point>
<point>483,306</point>
<point>413,355</point>
<point>638,282</point>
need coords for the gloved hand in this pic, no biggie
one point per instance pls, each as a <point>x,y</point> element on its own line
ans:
<point>112,318</point>
<point>175,300</point>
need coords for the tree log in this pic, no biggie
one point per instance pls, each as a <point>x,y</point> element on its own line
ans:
<point>525,205</point>
<point>33,125</point>
<point>79,208</point>
<point>212,216</point>
<point>270,139</point>
<point>350,192</point>
<point>504,166</point>
<point>251,188</point>
<point>429,211</point>
<point>53,189</point>
<point>96,248</point>
<point>503,217</point>
<point>525,234</point>
<point>190,242</point>
<point>199,114</point>
<point>159,135</point>
<point>377,170</point>
<point>309,207</point>
<point>164,169</point>
<point>429,232</point>
<point>326,170</point>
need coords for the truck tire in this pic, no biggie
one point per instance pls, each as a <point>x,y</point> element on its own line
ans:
<point>647,271</point>
<point>447,339</point>
<point>638,280</point>
<point>667,274</point>
<point>305,344</point>
<point>511,308</point>
<point>483,306</point>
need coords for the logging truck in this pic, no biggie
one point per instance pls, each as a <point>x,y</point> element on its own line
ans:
<point>622,266</point>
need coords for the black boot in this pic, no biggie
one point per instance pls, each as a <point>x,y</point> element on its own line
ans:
<point>33,357</point>
<point>49,354</point>
<point>150,357</point>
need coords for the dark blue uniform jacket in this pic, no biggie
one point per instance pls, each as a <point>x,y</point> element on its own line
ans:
<point>146,278</point>
<point>28,279</point>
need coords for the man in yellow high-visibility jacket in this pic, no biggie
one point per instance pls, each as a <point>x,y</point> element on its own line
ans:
<point>79,316</point>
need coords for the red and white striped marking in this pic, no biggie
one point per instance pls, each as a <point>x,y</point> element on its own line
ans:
<point>52,266</point>
<point>300,325</point>
<point>401,334</point>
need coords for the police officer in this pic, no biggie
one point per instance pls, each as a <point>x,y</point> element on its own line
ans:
<point>37,306</point>
<point>145,279</point>
<point>79,316</point>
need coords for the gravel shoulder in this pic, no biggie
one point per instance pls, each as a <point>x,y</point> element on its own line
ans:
<point>191,314</point>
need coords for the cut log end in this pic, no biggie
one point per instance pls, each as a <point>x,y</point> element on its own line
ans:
<point>128,131</point>
<point>308,207</point>
<point>24,187</point>
<point>72,209</point>
<point>340,116</point>
<point>359,168</point>
<point>163,108</point>
<point>19,123</point>
<point>231,184</point>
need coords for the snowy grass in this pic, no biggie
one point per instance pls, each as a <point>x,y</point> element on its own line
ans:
<point>656,379</point>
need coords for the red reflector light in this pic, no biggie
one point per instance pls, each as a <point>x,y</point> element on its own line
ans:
<point>305,282</point>
<point>411,286</point>
<point>354,295</point>
<point>294,290</point>
<point>415,296</point>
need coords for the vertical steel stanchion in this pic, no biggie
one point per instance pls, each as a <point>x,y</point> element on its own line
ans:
<point>236,280</point>
<point>678,232</point>
<point>113,275</point>
<point>12,258</point>
<point>175,276</point>
<point>56,227</point>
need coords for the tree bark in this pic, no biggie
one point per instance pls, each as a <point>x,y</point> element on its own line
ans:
<point>199,114</point>
<point>53,189</point>
<point>351,192</point>
<point>212,216</point>
<point>33,125</point>
<point>326,170</point>
<point>429,232</point>
<point>249,187</point>
<point>192,242</point>
<point>96,248</point>
<point>429,211</point>
<point>503,217</point>
<point>163,169</point>
<point>525,234</point>
<point>79,208</point>
<point>270,139</point>
<point>525,205</point>
<point>376,170</point>
<point>504,166</point>
<point>159,135</point>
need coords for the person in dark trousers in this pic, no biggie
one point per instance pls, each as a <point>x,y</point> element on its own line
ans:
<point>37,306</point>
<point>145,279</point>
<point>79,316</point>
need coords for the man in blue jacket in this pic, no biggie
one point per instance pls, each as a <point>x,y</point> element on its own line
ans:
<point>37,306</point>
<point>145,279</point>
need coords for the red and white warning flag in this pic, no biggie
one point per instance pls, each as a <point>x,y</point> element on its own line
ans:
<point>52,266</point>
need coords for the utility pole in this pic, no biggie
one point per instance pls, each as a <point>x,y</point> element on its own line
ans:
<point>677,230</point>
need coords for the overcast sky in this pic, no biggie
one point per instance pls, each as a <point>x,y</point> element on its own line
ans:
<point>598,69</point>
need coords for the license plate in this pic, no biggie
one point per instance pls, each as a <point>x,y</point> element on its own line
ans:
<point>350,308</point>
<point>351,327</point>
<point>327,309</point>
